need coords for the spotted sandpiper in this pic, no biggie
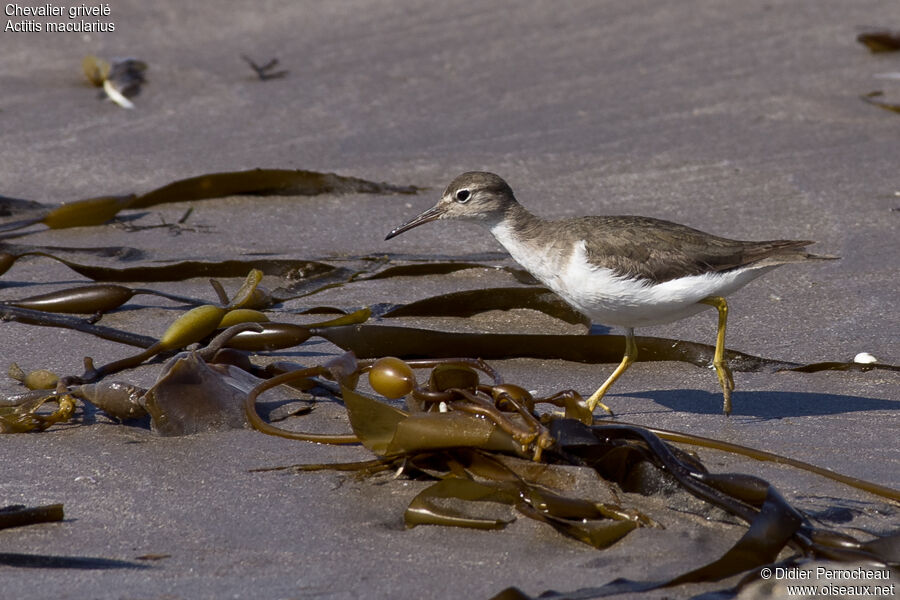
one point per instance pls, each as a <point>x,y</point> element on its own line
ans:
<point>626,271</point>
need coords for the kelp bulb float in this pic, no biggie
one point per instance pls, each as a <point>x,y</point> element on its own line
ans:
<point>391,377</point>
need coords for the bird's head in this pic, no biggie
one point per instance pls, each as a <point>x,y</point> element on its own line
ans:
<point>473,196</point>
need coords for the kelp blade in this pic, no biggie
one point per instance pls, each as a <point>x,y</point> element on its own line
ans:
<point>470,302</point>
<point>389,431</point>
<point>263,182</point>
<point>373,341</point>
<point>424,510</point>
<point>88,299</point>
<point>84,213</point>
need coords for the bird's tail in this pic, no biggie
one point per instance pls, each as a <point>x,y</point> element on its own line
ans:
<point>791,252</point>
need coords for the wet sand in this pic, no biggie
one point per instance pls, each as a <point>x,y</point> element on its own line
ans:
<point>742,120</point>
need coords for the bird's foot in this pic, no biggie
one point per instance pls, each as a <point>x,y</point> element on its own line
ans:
<point>594,402</point>
<point>726,380</point>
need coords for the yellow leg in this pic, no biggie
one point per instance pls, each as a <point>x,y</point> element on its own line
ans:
<point>630,355</point>
<point>722,370</point>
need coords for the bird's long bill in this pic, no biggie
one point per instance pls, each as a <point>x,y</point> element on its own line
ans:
<point>429,215</point>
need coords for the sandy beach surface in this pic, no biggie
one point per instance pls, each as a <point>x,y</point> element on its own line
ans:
<point>741,119</point>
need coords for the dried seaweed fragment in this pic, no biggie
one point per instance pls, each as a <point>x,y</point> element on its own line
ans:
<point>95,69</point>
<point>265,72</point>
<point>125,80</point>
<point>880,40</point>
<point>876,98</point>
<point>120,80</point>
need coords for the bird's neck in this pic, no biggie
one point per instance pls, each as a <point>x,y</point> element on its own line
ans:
<point>515,218</point>
<point>515,226</point>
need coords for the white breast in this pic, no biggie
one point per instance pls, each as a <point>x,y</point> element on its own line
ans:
<point>546,265</point>
<point>614,300</point>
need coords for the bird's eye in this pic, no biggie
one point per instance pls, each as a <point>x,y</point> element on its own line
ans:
<point>463,196</point>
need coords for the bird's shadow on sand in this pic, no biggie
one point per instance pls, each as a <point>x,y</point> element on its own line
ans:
<point>766,405</point>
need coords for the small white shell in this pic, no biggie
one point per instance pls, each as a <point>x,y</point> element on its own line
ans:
<point>864,358</point>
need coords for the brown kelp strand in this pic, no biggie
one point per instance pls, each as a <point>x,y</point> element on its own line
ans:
<point>87,299</point>
<point>121,253</point>
<point>464,427</point>
<point>774,524</point>
<point>370,341</point>
<point>447,444</point>
<point>271,336</point>
<point>78,213</point>
<point>242,315</point>
<point>12,206</point>
<point>762,455</point>
<point>256,182</point>
<point>56,561</point>
<point>18,515</point>
<point>502,482</point>
<point>386,374</point>
<point>278,336</point>
<point>91,299</point>
<point>742,498</point>
<point>301,278</point>
<point>117,399</point>
<point>433,265</point>
<point>24,417</point>
<point>337,370</point>
<point>86,213</point>
<point>192,394</point>
<point>189,328</point>
<point>39,379</point>
<point>508,422</point>
<point>6,261</point>
<point>470,302</point>
<point>249,294</point>
<point>264,182</point>
<point>291,270</point>
<point>421,269</point>
<point>36,317</point>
